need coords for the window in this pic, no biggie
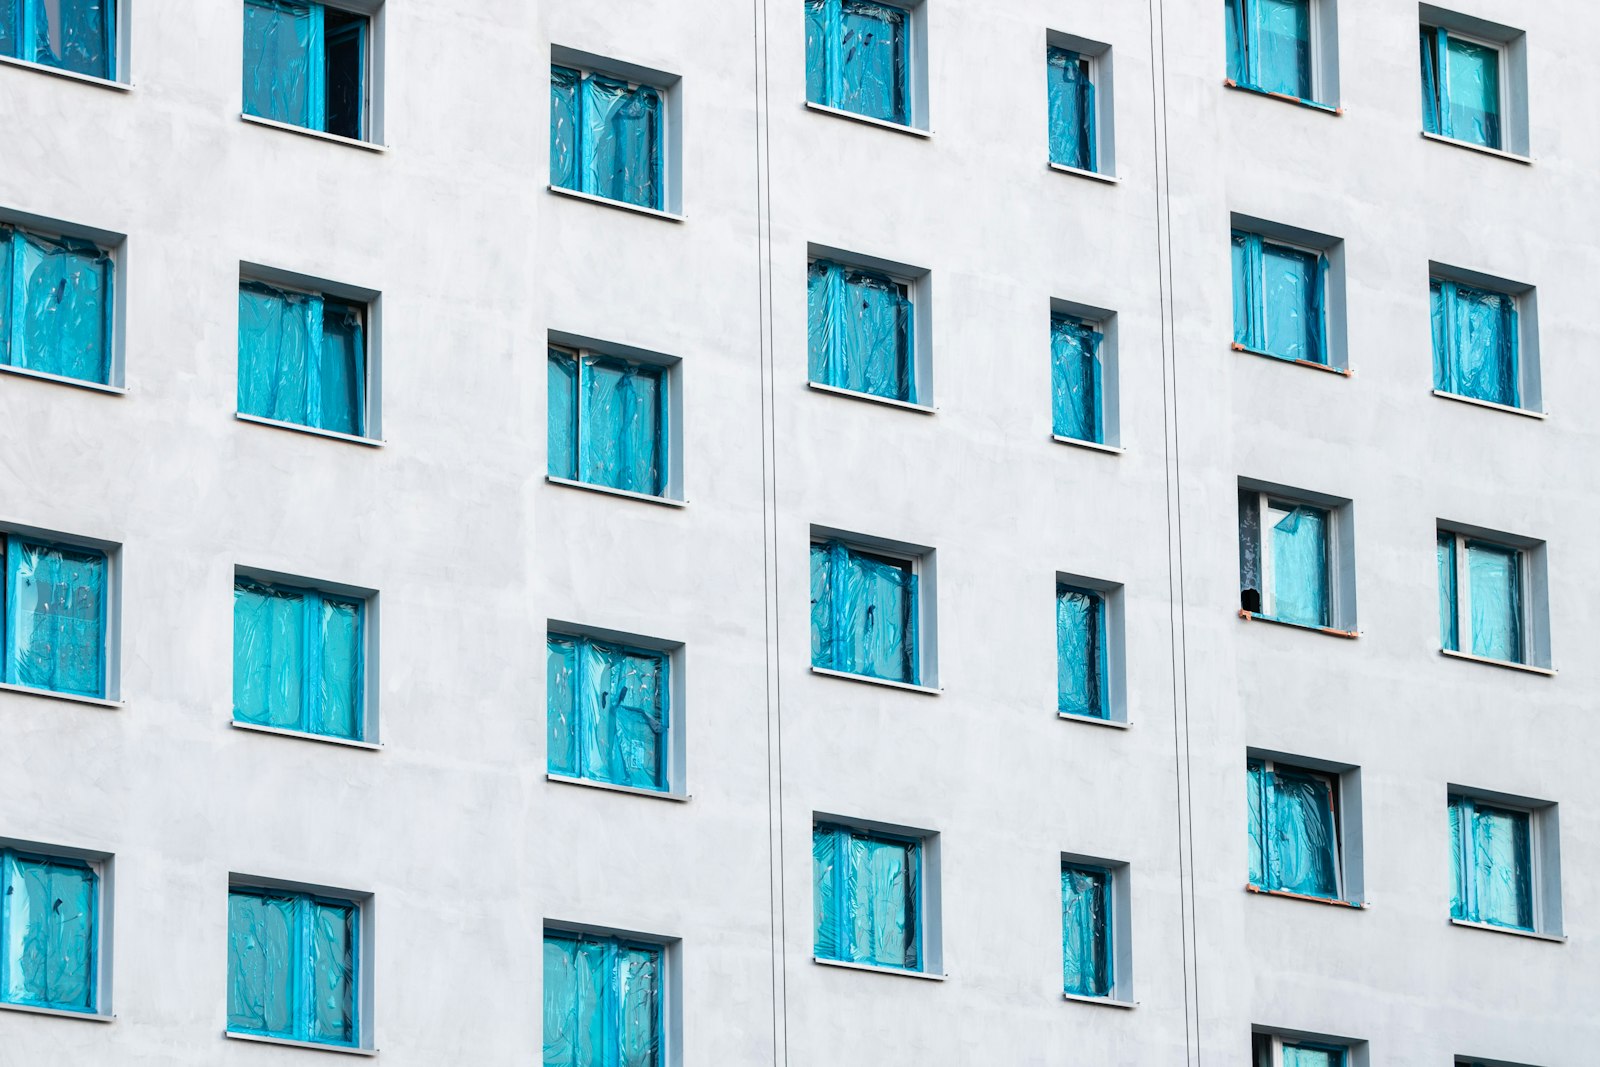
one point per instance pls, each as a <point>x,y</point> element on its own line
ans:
<point>1505,862</point>
<point>608,712</point>
<point>1087,942</point>
<point>867,896</point>
<point>603,1001</point>
<point>1476,342</point>
<point>1294,559</point>
<point>1279,302</point>
<point>1492,597</point>
<point>50,913</point>
<point>1076,371</point>
<point>75,35</point>
<point>56,606</point>
<point>1270,1050</point>
<point>607,137</point>
<point>1283,47</point>
<point>1460,87</point>
<point>861,328</point>
<point>299,659</point>
<point>294,965</point>
<point>1295,823</point>
<point>609,421</point>
<point>307,64</point>
<point>865,613</point>
<point>1081,660</point>
<point>55,305</point>
<point>1074,129</point>
<point>859,58</point>
<point>302,358</point>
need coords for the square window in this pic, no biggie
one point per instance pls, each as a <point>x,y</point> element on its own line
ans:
<point>1272,1050</point>
<point>1485,338</point>
<point>56,624</point>
<point>308,65</point>
<point>605,1000</point>
<point>1505,862</point>
<point>1089,649</point>
<point>303,358</point>
<point>1474,80</point>
<point>1294,554</point>
<point>299,658</point>
<point>610,421</point>
<point>872,895</point>
<point>56,305</point>
<point>1093,929</point>
<point>50,909</point>
<point>865,58</point>
<point>608,707</point>
<point>1490,604</point>
<point>1279,299</point>
<point>869,609</point>
<point>1073,133</point>
<point>611,131</point>
<point>1284,47</point>
<point>295,963</point>
<point>73,35</point>
<point>1305,828</point>
<point>865,324</point>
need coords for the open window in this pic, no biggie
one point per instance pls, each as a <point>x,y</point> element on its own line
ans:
<point>1296,558</point>
<point>614,131</point>
<point>1474,81</point>
<point>1082,132</point>
<point>1305,828</point>
<point>1285,48</point>
<point>310,65</point>
<point>1493,603</point>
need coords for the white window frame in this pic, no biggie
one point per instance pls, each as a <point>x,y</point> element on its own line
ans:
<point>1098,54</point>
<point>1510,64</point>
<point>1463,594</point>
<point>670,86</point>
<point>1544,858</point>
<point>918,282</point>
<point>1333,554</point>
<point>1343,885</point>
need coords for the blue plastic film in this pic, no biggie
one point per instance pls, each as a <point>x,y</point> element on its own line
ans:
<point>1432,119</point>
<point>621,140</point>
<point>302,359</point>
<point>1475,342</point>
<point>1300,565</point>
<point>1075,379</point>
<point>50,919</point>
<point>639,1006</point>
<point>607,712</point>
<point>55,306</point>
<point>860,331</point>
<point>1471,87</point>
<point>340,401</point>
<point>865,899</point>
<point>858,58</point>
<point>1072,109</point>
<point>337,709</point>
<point>1086,931</point>
<point>1281,47</point>
<point>263,950</point>
<point>1445,551</point>
<point>1460,857</point>
<point>1246,259</point>
<point>1492,849</point>
<point>562,420</point>
<point>1302,844</point>
<point>622,415</point>
<point>10,30</point>
<point>1256,773</point>
<point>283,48</point>
<point>1292,304</point>
<point>55,618</point>
<point>1298,1055</point>
<point>1494,581</point>
<point>269,655</point>
<point>561,704</point>
<point>863,613</point>
<point>332,968</point>
<point>1080,652</point>
<point>565,133</point>
<point>345,67</point>
<point>602,1002</point>
<point>75,35</point>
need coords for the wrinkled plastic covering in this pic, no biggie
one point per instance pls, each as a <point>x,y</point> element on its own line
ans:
<point>858,58</point>
<point>1086,931</point>
<point>55,617</point>
<point>1494,579</point>
<point>1460,88</point>
<point>863,613</point>
<point>55,305</point>
<point>1449,635</point>
<point>1293,842</point>
<point>860,331</point>
<point>1278,299</point>
<point>607,711</point>
<point>1250,543</point>
<point>298,661</point>
<point>50,907</point>
<point>1269,45</point>
<point>1474,342</point>
<point>346,67</point>
<point>602,1002</point>
<point>1300,565</point>
<point>1300,1055</point>
<point>1080,652</point>
<point>606,137</point>
<point>75,35</point>
<point>1492,864</point>
<point>864,897</point>
<point>302,359</point>
<point>292,966</point>
<point>1075,378</point>
<point>562,417</point>
<point>283,49</point>
<point>1072,110</point>
<point>607,422</point>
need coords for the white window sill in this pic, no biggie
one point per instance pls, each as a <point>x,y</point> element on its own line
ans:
<point>612,787</point>
<point>1314,105</point>
<point>24,372</point>
<point>828,672</point>
<point>628,494</point>
<point>1115,724</point>
<point>317,1046</point>
<point>370,442</point>
<point>1093,446</point>
<point>60,1013</point>
<point>1491,405</point>
<point>70,75</point>
<point>1104,1002</point>
<point>907,405</point>
<point>1514,157</point>
<point>875,969</point>
<point>1256,616</point>
<point>305,735</point>
<point>1548,672</point>
<point>620,205</point>
<point>320,135</point>
<point>1109,179</point>
<point>1285,894</point>
<point>1344,372</point>
<point>1493,929</point>
<point>883,124</point>
<point>99,702</point>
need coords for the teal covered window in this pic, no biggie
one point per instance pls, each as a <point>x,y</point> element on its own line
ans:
<point>49,931</point>
<point>293,966</point>
<point>1076,376</point>
<point>1074,137</point>
<point>307,64</point>
<point>55,305</point>
<point>866,897</point>
<point>1481,598</point>
<point>864,612</point>
<point>54,626</point>
<point>302,358</point>
<point>1270,46</point>
<point>609,421</point>
<point>860,331</point>
<point>1461,87</point>
<point>1475,351</point>
<point>1081,652</point>
<point>75,35</point>
<point>608,711</point>
<point>1087,947</point>
<point>1491,860</point>
<point>607,137</point>
<point>299,659</point>
<point>603,1001</point>
<point>858,58</point>
<point>1279,299</point>
<point>1294,830</point>
<point>1285,559</point>
<point>1269,1050</point>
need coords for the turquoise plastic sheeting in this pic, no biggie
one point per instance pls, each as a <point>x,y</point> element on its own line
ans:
<point>305,64</point>
<point>1491,864</point>
<point>1072,109</point>
<point>49,909</point>
<point>603,1001</point>
<point>1300,565</point>
<point>1494,578</point>
<point>1278,299</point>
<point>1076,374</point>
<point>1460,88</point>
<point>608,421</point>
<point>293,963</point>
<point>54,625</point>
<point>75,35</point>
<point>858,58</point>
<point>608,712</point>
<point>1269,45</point>
<point>55,305</point>
<point>302,359</point>
<point>1081,652</point>
<point>860,331</point>
<point>1475,342</point>
<point>863,613</point>
<point>606,137</point>
<point>1293,841</point>
<point>298,659</point>
<point>1449,616</point>
<point>865,893</point>
<point>1086,934</point>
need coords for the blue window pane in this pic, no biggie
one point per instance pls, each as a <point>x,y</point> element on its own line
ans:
<point>606,711</point>
<point>302,359</point>
<point>1449,637</point>
<point>1474,342</point>
<point>1471,86</point>
<point>860,331</point>
<point>866,893</point>
<point>282,62</point>
<point>1072,109</point>
<point>863,613</point>
<point>55,306</point>
<point>565,133</point>
<point>50,908</point>
<point>340,404</point>
<point>561,704</point>
<point>55,618</point>
<point>331,973</point>
<point>292,966</point>
<point>1080,652</point>
<point>858,58</point>
<point>1493,864</point>
<point>75,35</point>
<point>620,424</point>
<point>1269,45</point>
<point>1075,378</point>
<point>1278,306</point>
<point>1293,839</point>
<point>562,431</point>
<point>602,1002</point>
<point>298,660</point>
<point>1300,565</point>
<point>622,141</point>
<point>1494,577</point>
<point>1086,931</point>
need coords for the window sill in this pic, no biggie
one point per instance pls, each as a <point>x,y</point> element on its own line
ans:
<point>70,75</point>
<point>828,672</point>
<point>28,690</point>
<point>263,1039</point>
<point>1510,665</point>
<point>853,394</point>
<point>620,205</point>
<point>875,969</point>
<point>1284,893</point>
<point>304,735</point>
<point>1501,153</point>
<point>1256,616</point>
<point>1109,179</point>
<point>1329,109</point>
<point>1104,1002</point>
<point>612,787</point>
<point>628,494</point>
<point>370,442</point>
<point>1491,405</point>
<point>24,372</point>
<point>61,1013</point>
<point>1344,372</point>
<point>884,124</point>
<point>1115,724</point>
<point>1093,446</point>
<point>320,135</point>
<point>1559,939</point>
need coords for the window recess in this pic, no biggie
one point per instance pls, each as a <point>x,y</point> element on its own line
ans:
<point>308,65</point>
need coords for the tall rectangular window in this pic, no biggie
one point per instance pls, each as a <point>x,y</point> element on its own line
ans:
<point>1270,1050</point>
<point>293,965</point>
<point>866,897</point>
<point>1279,298</point>
<point>864,612</point>
<point>1087,950</point>
<point>1492,864</point>
<point>1482,600</point>
<point>1074,138</point>
<point>858,58</point>
<point>1461,87</point>
<point>49,931</point>
<point>307,64</point>
<point>302,358</point>
<point>1081,652</point>
<point>1076,366</point>
<point>1475,342</point>
<point>860,328</point>
<point>607,137</point>
<point>55,305</point>
<point>603,1001</point>
<point>608,421</point>
<point>1294,830</point>
<point>608,711</point>
<point>75,35</point>
<point>1285,559</point>
<point>299,659</point>
<point>55,623</point>
<point>1270,45</point>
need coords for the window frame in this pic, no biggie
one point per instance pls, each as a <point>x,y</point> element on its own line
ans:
<point>1119,926</point>
<point>669,971</point>
<point>1322,53</point>
<point>101,865</point>
<point>1344,784</point>
<point>110,245</point>
<point>921,563</point>
<point>1113,652</point>
<point>1510,44</point>
<point>1533,636</point>
<point>669,88</point>
<point>1543,858</point>
<point>928,900</point>
<point>1525,337</point>
<point>1338,556</point>
<point>110,611</point>
<point>1103,143</point>
<point>917,284</point>
<point>670,413</point>
<point>116,51</point>
<point>372,67</point>
<point>1332,342</point>
<point>916,79</point>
